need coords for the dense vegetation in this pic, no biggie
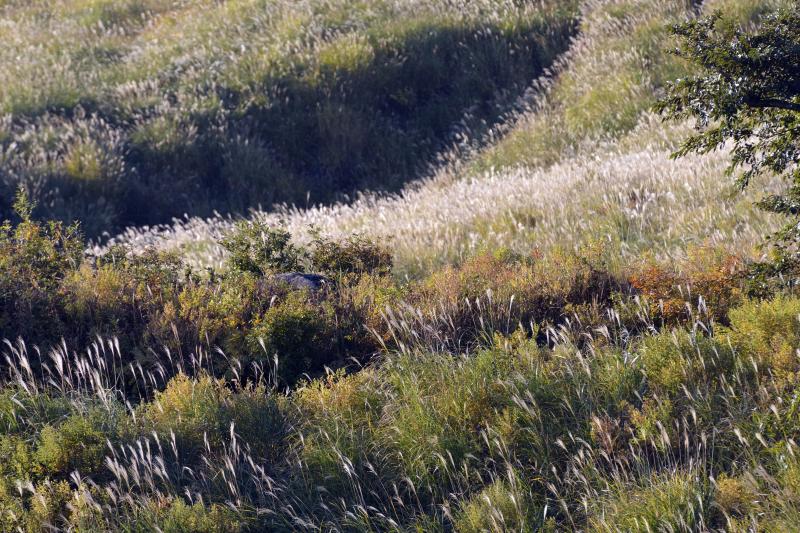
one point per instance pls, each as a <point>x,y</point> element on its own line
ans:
<point>563,330</point>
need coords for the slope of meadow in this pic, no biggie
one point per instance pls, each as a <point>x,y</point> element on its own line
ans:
<point>559,329</point>
<point>130,113</point>
<point>582,159</point>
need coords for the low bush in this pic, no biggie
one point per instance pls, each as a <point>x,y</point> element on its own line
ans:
<point>338,417</point>
<point>354,256</point>
<point>707,282</point>
<point>151,299</point>
<point>300,335</point>
<point>675,502</point>
<point>79,443</point>
<point>176,516</point>
<point>501,506</point>
<point>201,414</point>
<point>34,259</point>
<point>768,333</point>
<point>675,358</point>
<point>261,249</point>
<point>464,305</point>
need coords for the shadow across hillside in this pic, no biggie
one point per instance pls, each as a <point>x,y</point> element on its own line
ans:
<point>370,112</point>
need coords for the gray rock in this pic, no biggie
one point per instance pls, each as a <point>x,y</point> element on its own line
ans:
<point>299,280</point>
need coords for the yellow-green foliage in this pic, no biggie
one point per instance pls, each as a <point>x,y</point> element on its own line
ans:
<point>217,314</point>
<point>668,360</point>
<point>339,415</point>
<point>193,410</point>
<point>177,517</point>
<point>440,408</point>
<point>18,461</point>
<point>351,258</point>
<point>769,500</point>
<point>501,506</point>
<point>200,413</point>
<point>674,363</point>
<point>151,299</point>
<point>735,496</point>
<point>373,296</point>
<point>768,333</point>
<point>48,504</point>
<point>79,443</point>
<point>96,295</point>
<point>677,502</point>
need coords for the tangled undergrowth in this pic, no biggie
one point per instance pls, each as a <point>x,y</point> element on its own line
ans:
<point>539,392</point>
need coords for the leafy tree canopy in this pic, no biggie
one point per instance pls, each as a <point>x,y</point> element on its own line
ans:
<point>746,93</point>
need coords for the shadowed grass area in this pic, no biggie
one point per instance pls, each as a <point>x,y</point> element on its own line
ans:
<point>582,160</point>
<point>159,109</point>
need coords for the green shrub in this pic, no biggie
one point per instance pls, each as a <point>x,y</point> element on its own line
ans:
<point>34,258</point>
<point>195,411</point>
<point>653,423</point>
<point>260,419</point>
<point>678,502</point>
<point>353,256</point>
<point>12,509</point>
<point>498,508</point>
<point>614,379</point>
<point>18,462</point>
<point>259,249</point>
<point>302,334</point>
<point>440,407</point>
<point>734,496</point>
<point>338,418</point>
<point>370,298</point>
<point>150,301</point>
<point>769,333</point>
<point>24,412</point>
<point>202,410</point>
<point>674,362</point>
<point>49,506</point>
<point>668,362</point>
<point>674,359</point>
<point>178,517</point>
<point>80,442</point>
<point>218,312</point>
<point>95,300</point>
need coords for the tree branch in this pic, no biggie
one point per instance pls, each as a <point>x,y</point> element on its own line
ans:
<point>772,103</point>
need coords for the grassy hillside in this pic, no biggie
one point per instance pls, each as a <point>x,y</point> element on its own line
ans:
<point>560,328</point>
<point>130,113</point>
<point>587,129</point>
